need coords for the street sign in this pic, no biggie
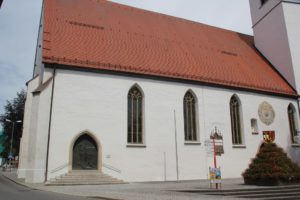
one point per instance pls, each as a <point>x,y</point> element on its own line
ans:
<point>209,148</point>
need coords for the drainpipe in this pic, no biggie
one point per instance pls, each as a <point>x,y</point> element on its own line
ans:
<point>299,107</point>
<point>176,147</point>
<point>49,126</point>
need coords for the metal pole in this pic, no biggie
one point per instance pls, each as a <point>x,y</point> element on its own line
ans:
<point>11,143</point>
<point>50,123</point>
<point>165,167</point>
<point>176,148</point>
<point>215,158</point>
<point>299,106</point>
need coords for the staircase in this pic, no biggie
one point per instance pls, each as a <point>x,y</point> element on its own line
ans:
<point>84,177</point>
<point>289,192</point>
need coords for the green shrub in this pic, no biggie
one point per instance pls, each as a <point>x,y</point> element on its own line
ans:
<point>271,166</point>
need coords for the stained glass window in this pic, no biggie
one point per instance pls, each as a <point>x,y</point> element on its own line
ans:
<point>292,122</point>
<point>189,110</point>
<point>236,128</point>
<point>135,116</point>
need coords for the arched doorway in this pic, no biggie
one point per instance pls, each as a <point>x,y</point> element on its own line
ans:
<point>85,153</point>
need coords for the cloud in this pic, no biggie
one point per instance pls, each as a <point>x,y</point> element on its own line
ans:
<point>19,22</point>
<point>233,15</point>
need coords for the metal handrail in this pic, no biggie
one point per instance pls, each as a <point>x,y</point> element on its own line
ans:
<point>104,165</point>
<point>111,168</point>
<point>59,168</point>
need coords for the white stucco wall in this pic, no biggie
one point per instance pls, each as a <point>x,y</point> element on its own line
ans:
<point>98,103</point>
<point>38,65</point>
<point>292,16</point>
<point>23,154</point>
<point>276,33</point>
<point>35,133</point>
<point>258,11</point>
<point>271,38</point>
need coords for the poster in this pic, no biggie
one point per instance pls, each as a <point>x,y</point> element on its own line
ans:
<point>215,175</point>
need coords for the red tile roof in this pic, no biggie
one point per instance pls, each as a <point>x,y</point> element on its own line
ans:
<point>104,35</point>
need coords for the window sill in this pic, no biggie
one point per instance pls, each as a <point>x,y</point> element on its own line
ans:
<point>239,146</point>
<point>295,145</point>
<point>192,143</point>
<point>136,145</point>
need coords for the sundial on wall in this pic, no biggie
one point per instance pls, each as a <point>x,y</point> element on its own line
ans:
<point>266,113</point>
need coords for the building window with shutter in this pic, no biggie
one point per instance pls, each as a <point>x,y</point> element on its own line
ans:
<point>236,124</point>
<point>190,118</point>
<point>135,116</point>
<point>254,126</point>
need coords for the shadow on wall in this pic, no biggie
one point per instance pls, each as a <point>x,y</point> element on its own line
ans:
<point>294,153</point>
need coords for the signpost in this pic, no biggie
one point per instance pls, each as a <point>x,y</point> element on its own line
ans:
<point>209,148</point>
<point>216,139</point>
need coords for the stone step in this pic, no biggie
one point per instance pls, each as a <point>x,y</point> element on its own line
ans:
<point>87,176</point>
<point>280,198</point>
<point>263,188</point>
<point>83,183</point>
<point>84,172</point>
<point>94,181</point>
<point>288,192</point>
<point>87,180</point>
<point>273,191</point>
<point>255,196</point>
<point>84,177</point>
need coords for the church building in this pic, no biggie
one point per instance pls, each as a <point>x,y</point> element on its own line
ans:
<point>138,95</point>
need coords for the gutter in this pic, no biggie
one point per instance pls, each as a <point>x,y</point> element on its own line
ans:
<point>174,79</point>
<point>50,122</point>
<point>291,1</point>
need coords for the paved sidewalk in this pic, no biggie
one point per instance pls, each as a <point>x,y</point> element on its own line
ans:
<point>137,191</point>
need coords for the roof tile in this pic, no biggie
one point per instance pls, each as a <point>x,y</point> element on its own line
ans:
<point>101,34</point>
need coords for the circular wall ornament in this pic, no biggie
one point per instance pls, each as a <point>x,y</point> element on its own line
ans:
<point>266,113</point>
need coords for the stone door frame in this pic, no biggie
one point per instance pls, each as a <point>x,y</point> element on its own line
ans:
<point>99,148</point>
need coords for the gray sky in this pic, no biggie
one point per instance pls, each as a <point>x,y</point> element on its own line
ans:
<point>19,27</point>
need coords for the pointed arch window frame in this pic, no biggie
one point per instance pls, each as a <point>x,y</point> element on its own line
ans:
<point>190,118</point>
<point>293,125</point>
<point>236,121</point>
<point>135,117</point>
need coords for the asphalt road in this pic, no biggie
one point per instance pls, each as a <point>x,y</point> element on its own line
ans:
<point>12,191</point>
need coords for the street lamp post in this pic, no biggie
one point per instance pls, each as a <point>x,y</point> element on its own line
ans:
<point>12,138</point>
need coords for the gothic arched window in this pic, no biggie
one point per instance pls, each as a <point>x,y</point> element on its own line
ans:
<point>292,122</point>
<point>135,116</point>
<point>236,124</point>
<point>189,110</point>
